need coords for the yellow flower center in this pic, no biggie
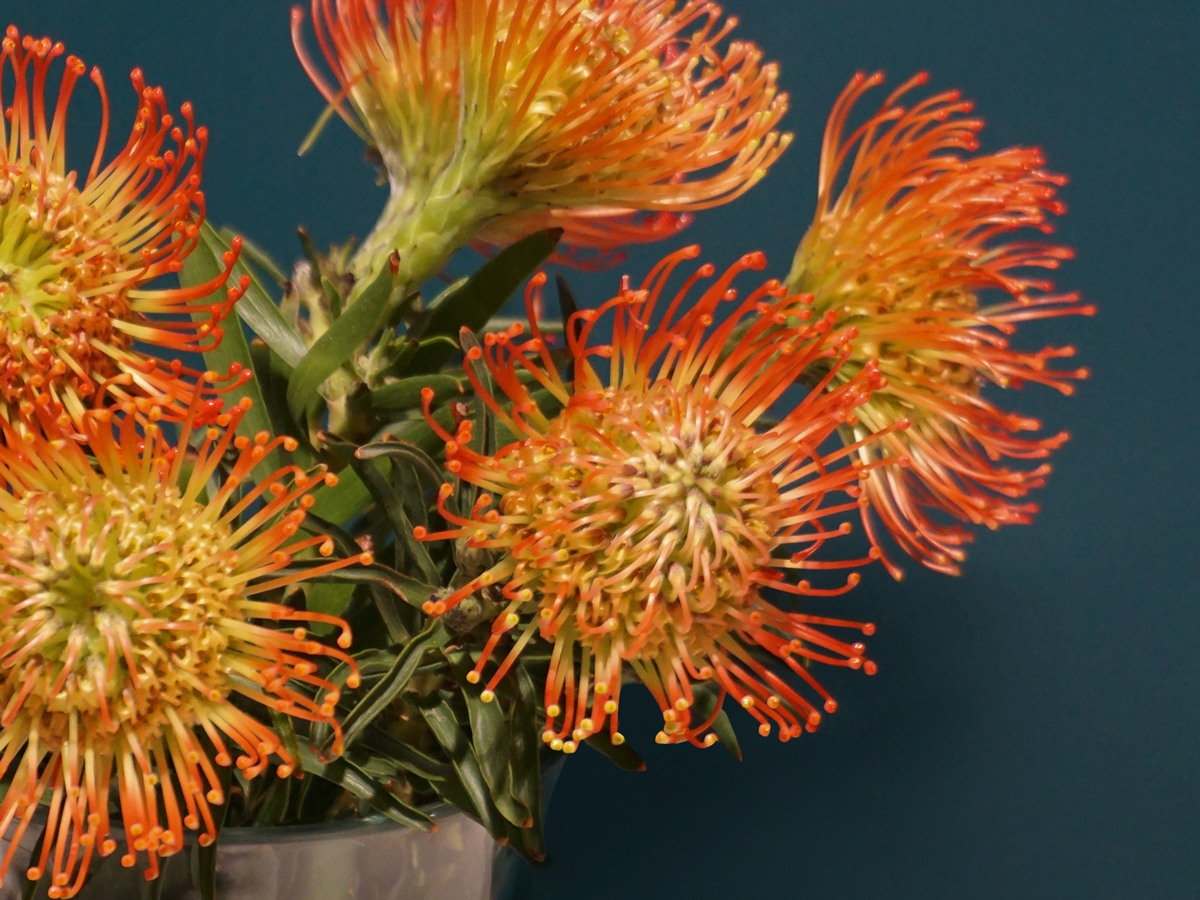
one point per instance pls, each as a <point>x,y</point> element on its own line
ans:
<point>895,317</point>
<point>116,606</point>
<point>61,289</point>
<point>659,501</point>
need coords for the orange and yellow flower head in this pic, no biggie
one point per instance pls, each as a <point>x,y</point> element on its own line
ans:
<point>642,527</point>
<point>129,585</point>
<point>77,255</point>
<point>912,245</point>
<point>527,114</point>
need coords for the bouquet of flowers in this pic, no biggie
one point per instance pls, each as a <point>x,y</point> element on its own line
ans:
<point>280,547</point>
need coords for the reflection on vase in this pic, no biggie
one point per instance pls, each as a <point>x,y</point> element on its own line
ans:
<point>368,859</point>
<point>355,860</point>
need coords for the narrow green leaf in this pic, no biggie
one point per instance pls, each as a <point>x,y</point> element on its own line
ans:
<point>405,394</point>
<point>359,323</point>
<point>484,434</point>
<point>525,761</point>
<point>275,806</point>
<point>420,461</point>
<point>334,295</point>
<point>389,687</point>
<point>351,778</point>
<point>490,735</point>
<point>272,373</point>
<point>330,599</point>
<point>256,307</point>
<point>318,126</point>
<point>567,308</point>
<point>413,347</point>
<point>373,474</point>
<point>452,791</point>
<point>372,664</point>
<point>376,739</point>
<point>153,890</point>
<point>474,304</point>
<point>206,857</point>
<point>621,755</point>
<point>445,726</point>
<point>30,886</point>
<point>727,737</point>
<point>411,591</point>
<point>342,502</point>
<point>258,257</point>
<point>383,597</point>
<point>705,703</point>
<point>202,265</point>
<point>418,432</point>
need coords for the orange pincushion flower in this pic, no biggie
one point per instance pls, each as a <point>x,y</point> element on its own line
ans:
<point>556,113</point>
<point>645,521</point>
<point>903,255</point>
<point>76,254</point>
<point>126,600</point>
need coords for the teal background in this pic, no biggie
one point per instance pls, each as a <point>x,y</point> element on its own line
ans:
<point>1033,729</point>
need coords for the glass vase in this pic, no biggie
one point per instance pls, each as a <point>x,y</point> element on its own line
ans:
<point>364,859</point>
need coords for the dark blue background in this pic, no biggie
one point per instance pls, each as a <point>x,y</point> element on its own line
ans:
<point>1033,729</point>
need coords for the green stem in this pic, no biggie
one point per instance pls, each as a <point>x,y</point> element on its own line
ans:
<point>425,222</point>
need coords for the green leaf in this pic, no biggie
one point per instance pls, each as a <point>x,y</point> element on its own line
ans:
<point>206,857</point>
<point>567,307</point>
<point>382,596</point>
<point>723,729</point>
<point>373,474</point>
<point>272,373</point>
<point>445,726</point>
<point>319,126</point>
<point>334,296</point>
<point>389,687</point>
<point>202,265</point>
<point>351,778</point>
<point>490,735</point>
<point>525,761</point>
<point>371,664</point>
<point>706,699</point>
<point>411,591</point>
<point>484,434</point>
<point>343,501</point>
<point>287,733</point>
<point>360,322</point>
<point>30,886</point>
<point>621,755</point>
<point>257,256</point>
<point>376,739</point>
<point>405,394</point>
<point>418,459</point>
<point>473,305</point>
<point>153,890</point>
<point>330,599</point>
<point>275,805</point>
<point>421,435</point>
<point>256,307</point>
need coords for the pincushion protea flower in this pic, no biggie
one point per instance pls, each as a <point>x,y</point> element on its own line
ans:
<point>904,254</point>
<point>77,254</point>
<point>126,600</point>
<point>527,115</point>
<point>645,521</point>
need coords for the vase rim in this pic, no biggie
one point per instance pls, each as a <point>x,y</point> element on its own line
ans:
<point>376,822</point>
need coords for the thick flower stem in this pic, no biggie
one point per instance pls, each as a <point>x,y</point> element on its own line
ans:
<point>424,221</point>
